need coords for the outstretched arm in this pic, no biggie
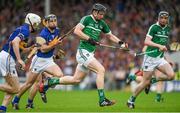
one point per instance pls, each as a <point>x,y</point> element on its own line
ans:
<point>116,40</point>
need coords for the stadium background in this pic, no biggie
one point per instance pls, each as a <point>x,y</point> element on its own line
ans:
<point>128,19</point>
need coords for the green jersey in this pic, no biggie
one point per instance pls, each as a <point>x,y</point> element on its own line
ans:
<point>159,35</point>
<point>93,29</point>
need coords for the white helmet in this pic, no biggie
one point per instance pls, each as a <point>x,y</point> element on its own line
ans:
<point>32,18</point>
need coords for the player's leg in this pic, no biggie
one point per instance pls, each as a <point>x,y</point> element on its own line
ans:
<point>31,78</point>
<point>159,88</point>
<point>33,91</point>
<point>137,76</point>
<point>144,83</point>
<point>148,69</point>
<point>13,86</point>
<point>79,74</point>
<point>97,67</point>
<point>6,101</point>
<point>56,72</point>
<point>166,69</point>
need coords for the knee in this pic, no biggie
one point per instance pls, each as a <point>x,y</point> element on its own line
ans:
<point>60,75</point>
<point>101,71</point>
<point>146,82</point>
<point>76,81</point>
<point>171,76</point>
<point>15,89</point>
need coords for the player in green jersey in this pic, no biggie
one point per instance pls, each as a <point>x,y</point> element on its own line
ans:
<point>156,40</point>
<point>88,30</point>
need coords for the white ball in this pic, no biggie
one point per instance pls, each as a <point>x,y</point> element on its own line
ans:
<point>123,45</point>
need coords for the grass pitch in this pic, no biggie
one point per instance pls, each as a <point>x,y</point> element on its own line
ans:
<point>87,101</point>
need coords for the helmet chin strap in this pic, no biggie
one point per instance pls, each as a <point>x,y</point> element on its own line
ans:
<point>33,30</point>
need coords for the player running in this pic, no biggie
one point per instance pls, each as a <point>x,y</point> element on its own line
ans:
<point>10,54</point>
<point>88,30</point>
<point>156,40</point>
<point>138,76</point>
<point>43,60</point>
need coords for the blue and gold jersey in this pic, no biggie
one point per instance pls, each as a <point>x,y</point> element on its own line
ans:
<point>22,32</point>
<point>48,36</point>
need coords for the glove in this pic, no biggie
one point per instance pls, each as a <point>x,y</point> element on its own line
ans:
<point>22,45</point>
<point>55,41</point>
<point>123,44</point>
<point>92,41</point>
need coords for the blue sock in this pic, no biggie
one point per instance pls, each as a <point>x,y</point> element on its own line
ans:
<point>3,108</point>
<point>16,99</point>
<point>30,101</point>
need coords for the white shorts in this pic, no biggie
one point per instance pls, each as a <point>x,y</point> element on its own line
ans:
<point>83,58</point>
<point>7,64</point>
<point>150,63</point>
<point>39,64</point>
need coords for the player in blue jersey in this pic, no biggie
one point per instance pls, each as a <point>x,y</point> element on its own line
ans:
<point>43,60</point>
<point>10,55</point>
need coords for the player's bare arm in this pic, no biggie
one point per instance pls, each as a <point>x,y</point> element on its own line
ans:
<point>15,44</point>
<point>148,42</point>
<point>79,33</point>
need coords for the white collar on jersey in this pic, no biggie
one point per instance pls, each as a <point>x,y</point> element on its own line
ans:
<point>160,25</point>
<point>93,18</point>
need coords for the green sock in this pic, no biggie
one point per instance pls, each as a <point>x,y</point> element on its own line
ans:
<point>153,80</point>
<point>132,77</point>
<point>158,97</point>
<point>53,81</point>
<point>101,95</point>
<point>132,98</point>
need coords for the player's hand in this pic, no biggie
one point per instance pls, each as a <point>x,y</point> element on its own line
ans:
<point>21,64</point>
<point>92,41</point>
<point>123,44</point>
<point>55,41</point>
<point>162,48</point>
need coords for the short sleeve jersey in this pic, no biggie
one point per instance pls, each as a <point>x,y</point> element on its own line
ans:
<point>159,35</point>
<point>93,29</point>
<point>22,32</point>
<point>48,36</point>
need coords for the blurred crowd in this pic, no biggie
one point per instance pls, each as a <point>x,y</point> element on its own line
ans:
<point>128,19</point>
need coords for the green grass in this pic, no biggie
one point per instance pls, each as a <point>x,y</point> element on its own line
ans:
<point>87,101</point>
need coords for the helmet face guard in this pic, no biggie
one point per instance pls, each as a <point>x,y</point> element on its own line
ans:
<point>33,20</point>
<point>163,14</point>
<point>51,18</point>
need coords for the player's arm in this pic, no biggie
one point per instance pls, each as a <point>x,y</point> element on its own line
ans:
<point>83,36</point>
<point>44,47</point>
<point>78,31</point>
<point>112,37</point>
<point>115,39</point>
<point>15,45</point>
<point>144,48</point>
<point>148,41</point>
